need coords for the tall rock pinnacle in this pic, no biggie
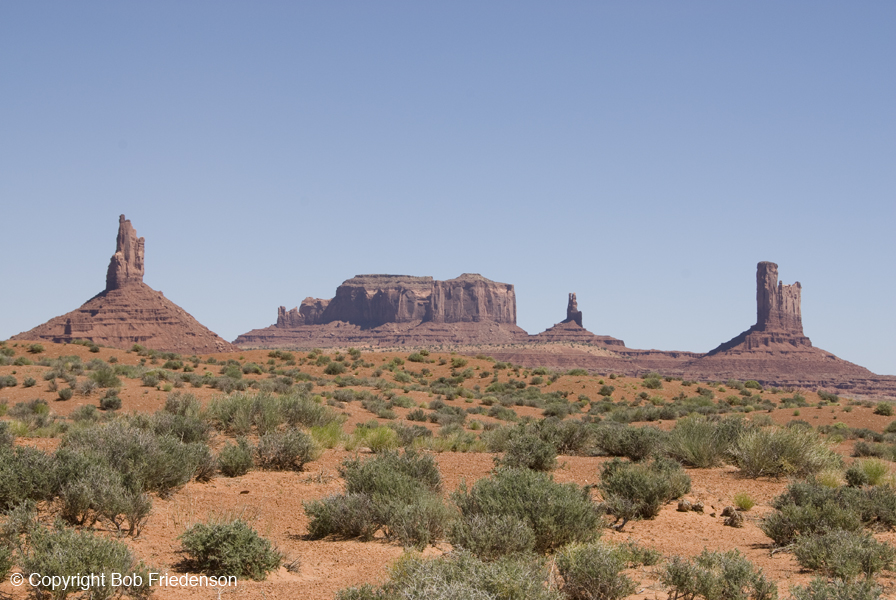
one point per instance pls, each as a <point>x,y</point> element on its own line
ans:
<point>126,265</point>
<point>777,305</point>
<point>573,314</point>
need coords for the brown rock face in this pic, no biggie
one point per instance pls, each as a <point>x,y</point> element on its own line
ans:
<point>777,305</point>
<point>126,265</point>
<point>779,324</point>
<point>573,314</point>
<point>398,309</point>
<point>130,312</point>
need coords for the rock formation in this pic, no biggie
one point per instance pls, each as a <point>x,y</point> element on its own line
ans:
<point>571,330</point>
<point>126,265</point>
<point>774,351</point>
<point>130,312</point>
<point>779,323</point>
<point>573,314</point>
<point>390,310</point>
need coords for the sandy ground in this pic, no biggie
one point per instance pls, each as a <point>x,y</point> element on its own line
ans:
<point>316,570</point>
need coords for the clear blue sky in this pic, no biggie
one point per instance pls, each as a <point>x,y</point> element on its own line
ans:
<point>645,155</point>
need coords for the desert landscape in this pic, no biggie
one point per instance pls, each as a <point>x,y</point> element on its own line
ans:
<point>559,465</point>
<point>462,301</point>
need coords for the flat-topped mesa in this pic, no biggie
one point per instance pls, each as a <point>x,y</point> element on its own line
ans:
<point>573,314</point>
<point>777,305</point>
<point>370,301</point>
<point>126,265</point>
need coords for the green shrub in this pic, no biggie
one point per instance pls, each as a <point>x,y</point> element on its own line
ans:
<point>844,554</point>
<point>230,548</point>
<point>236,459</point>
<point>146,461</point>
<point>638,490</point>
<point>460,575</point>
<point>344,515</point>
<point>717,576</point>
<point>99,493</point>
<point>7,435</point>
<point>558,514</point>
<point>489,537</point>
<point>808,508</point>
<point>334,368</point>
<point>110,403</point>
<point>653,383</point>
<point>743,501</point>
<point>884,408</point>
<point>837,589</point>
<point>25,474</point>
<point>105,378</point>
<point>6,559</point>
<point>29,382</point>
<point>398,492</point>
<point>67,552</point>
<point>792,451</point>
<point>36,348</point>
<point>287,450</point>
<point>528,451</point>
<point>870,471</point>
<point>702,442</point>
<point>635,443</point>
<point>66,393</point>
<point>593,571</point>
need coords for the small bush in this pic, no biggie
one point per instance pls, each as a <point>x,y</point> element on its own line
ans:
<point>230,548</point>
<point>528,451</point>
<point>844,554</point>
<point>66,393</point>
<point>29,382</point>
<point>490,537</point>
<point>110,403</point>
<point>701,442</point>
<point>592,571</point>
<point>638,490</point>
<point>36,348</point>
<point>287,450</point>
<point>795,451</point>
<point>558,514</point>
<point>635,443</point>
<point>105,378</point>
<point>870,471</point>
<point>66,553</point>
<point>743,501</point>
<point>460,575</point>
<point>236,459</point>
<point>334,368</point>
<point>717,576</point>
<point>837,589</point>
<point>884,408</point>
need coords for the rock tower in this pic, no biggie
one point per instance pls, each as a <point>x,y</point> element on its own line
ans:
<point>130,312</point>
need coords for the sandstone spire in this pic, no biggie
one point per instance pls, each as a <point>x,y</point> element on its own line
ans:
<point>777,305</point>
<point>126,265</point>
<point>573,314</point>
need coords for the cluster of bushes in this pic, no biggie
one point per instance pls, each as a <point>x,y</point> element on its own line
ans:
<point>394,492</point>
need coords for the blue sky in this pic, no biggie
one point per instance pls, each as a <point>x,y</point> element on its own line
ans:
<point>645,155</point>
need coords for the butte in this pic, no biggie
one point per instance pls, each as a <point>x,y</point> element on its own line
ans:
<point>130,312</point>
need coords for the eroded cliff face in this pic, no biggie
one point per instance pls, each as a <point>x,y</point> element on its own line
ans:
<point>573,314</point>
<point>779,324</point>
<point>126,265</point>
<point>472,298</point>
<point>370,301</point>
<point>777,305</point>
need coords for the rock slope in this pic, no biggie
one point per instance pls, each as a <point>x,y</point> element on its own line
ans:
<point>130,312</point>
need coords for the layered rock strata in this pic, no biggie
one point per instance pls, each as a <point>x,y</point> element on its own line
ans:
<point>130,312</point>
<point>389,310</point>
